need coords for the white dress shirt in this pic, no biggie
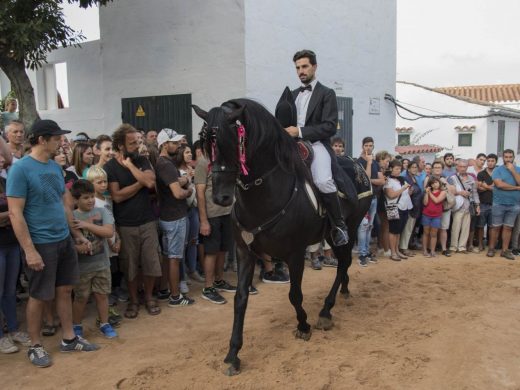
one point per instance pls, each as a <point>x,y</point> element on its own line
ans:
<point>302,104</point>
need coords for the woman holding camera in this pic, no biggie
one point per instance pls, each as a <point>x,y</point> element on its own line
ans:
<point>397,191</point>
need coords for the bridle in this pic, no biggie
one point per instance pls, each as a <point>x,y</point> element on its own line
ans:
<point>207,135</point>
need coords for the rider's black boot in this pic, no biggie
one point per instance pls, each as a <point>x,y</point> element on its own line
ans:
<point>339,229</point>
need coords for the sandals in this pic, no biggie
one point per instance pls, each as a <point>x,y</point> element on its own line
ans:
<point>408,253</point>
<point>402,256</point>
<point>427,254</point>
<point>132,310</point>
<point>152,307</point>
<point>395,258</point>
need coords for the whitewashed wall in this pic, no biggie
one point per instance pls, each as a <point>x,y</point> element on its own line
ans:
<point>85,85</point>
<point>218,50</point>
<point>444,133</point>
<point>355,43</point>
<point>168,47</point>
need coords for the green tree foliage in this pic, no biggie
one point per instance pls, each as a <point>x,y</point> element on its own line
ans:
<point>29,30</point>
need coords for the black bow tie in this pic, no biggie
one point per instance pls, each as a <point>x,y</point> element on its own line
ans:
<point>306,88</point>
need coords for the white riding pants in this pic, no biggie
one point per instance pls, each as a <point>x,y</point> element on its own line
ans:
<point>321,169</point>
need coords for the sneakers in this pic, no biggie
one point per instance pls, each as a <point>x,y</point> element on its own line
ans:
<point>372,258</point>
<point>39,356</point>
<point>212,295</point>
<point>195,276</point>
<point>446,253</point>
<point>183,300</point>
<point>20,338</point>
<point>315,264</point>
<point>253,290</point>
<point>78,330</point>
<point>516,252</point>
<point>114,318</point>
<point>275,277</point>
<point>329,262</point>
<point>183,286</point>
<point>507,254</point>
<point>363,261</point>
<point>163,295</point>
<point>474,249</point>
<point>222,285</point>
<point>108,331</point>
<point>113,315</point>
<point>122,295</point>
<point>7,345</point>
<point>78,345</point>
<point>490,253</point>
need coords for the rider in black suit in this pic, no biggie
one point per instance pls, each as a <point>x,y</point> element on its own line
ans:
<point>317,113</point>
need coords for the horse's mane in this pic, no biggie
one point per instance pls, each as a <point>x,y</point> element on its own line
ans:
<point>264,132</point>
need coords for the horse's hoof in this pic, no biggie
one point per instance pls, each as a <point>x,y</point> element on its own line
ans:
<point>306,336</point>
<point>232,371</point>
<point>324,323</point>
<point>345,294</point>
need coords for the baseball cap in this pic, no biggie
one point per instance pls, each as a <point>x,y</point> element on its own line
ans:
<point>46,127</point>
<point>166,135</point>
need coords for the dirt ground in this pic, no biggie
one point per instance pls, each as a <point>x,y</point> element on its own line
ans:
<point>419,324</point>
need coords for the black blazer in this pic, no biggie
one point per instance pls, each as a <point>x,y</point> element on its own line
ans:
<point>322,115</point>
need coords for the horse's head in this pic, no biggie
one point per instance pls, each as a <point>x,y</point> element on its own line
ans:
<point>223,141</point>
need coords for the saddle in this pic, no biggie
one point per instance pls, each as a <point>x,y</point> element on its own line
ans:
<point>305,151</point>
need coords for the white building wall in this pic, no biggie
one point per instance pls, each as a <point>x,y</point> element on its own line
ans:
<point>169,47</point>
<point>227,49</point>
<point>355,44</point>
<point>85,85</point>
<point>442,131</point>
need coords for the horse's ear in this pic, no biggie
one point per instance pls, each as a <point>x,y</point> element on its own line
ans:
<point>200,112</point>
<point>235,114</point>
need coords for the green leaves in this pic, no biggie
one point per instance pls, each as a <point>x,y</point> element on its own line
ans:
<point>29,29</point>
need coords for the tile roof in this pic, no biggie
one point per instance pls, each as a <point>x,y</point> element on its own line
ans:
<point>418,149</point>
<point>498,93</point>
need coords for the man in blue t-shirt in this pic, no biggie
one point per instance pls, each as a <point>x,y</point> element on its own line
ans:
<point>506,203</point>
<point>41,213</point>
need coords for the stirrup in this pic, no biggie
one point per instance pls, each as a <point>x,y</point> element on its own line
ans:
<point>339,236</point>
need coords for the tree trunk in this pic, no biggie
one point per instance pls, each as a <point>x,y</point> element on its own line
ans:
<point>20,83</point>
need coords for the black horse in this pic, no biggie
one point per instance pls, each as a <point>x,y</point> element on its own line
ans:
<point>272,214</point>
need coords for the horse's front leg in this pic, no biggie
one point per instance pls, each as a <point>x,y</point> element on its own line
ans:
<point>342,254</point>
<point>296,266</point>
<point>246,267</point>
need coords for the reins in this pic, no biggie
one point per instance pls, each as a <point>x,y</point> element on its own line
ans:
<point>248,235</point>
<point>256,182</point>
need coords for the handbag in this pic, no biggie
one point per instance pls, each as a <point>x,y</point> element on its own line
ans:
<point>392,209</point>
<point>449,202</point>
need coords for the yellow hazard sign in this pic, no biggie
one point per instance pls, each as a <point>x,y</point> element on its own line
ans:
<point>140,111</point>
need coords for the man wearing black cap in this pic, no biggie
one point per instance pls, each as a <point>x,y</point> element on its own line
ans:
<point>41,213</point>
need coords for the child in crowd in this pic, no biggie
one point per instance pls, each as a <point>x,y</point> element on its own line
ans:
<point>338,145</point>
<point>98,177</point>
<point>432,214</point>
<point>97,225</point>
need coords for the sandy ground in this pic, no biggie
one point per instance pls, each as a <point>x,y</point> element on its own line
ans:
<point>419,324</point>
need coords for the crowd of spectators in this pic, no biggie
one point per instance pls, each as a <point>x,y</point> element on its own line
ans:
<point>451,205</point>
<point>129,218</point>
<point>124,218</point>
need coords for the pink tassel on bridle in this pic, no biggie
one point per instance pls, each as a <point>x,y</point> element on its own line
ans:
<point>241,132</point>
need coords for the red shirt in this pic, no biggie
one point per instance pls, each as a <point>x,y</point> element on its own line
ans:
<point>432,209</point>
